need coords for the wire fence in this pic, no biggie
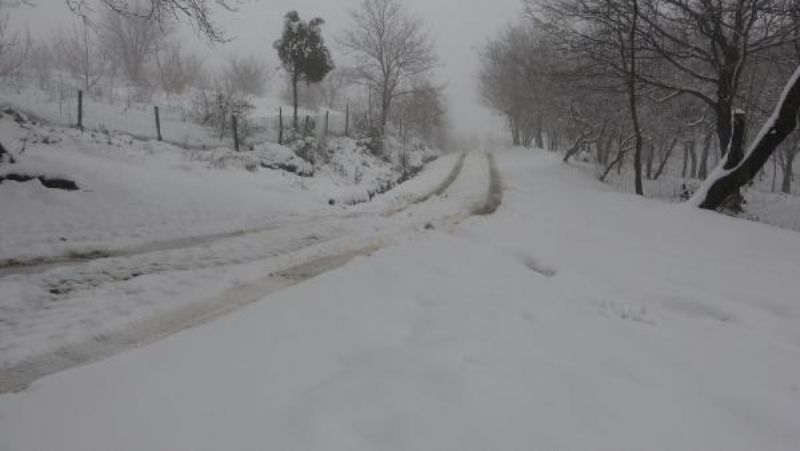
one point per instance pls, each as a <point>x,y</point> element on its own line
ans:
<point>171,120</point>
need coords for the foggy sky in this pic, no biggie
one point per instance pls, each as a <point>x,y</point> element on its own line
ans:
<point>458,26</point>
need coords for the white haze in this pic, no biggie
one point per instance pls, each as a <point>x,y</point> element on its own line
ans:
<point>458,26</point>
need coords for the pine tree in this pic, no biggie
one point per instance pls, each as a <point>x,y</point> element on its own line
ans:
<point>303,53</point>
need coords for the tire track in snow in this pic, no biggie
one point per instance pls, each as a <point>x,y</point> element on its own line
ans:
<point>34,265</point>
<point>447,183</point>
<point>494,195</point>
<point>438,191</point>
<point>20,375</point>
<point>210,251</point>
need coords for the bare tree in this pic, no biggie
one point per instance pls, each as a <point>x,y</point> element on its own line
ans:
<point>247,75</point>
<point>606,36</point>
<point>40,63</point>
<point>77,50</point>
<point>703,46</point>
<point>198,12</point>
<point>176,70</point>
<point>392,48</point>
<point>132,40</point>
<point>333,87</point>
<point>516,80</point>
<point>422,114</point>
<point>13,51</point>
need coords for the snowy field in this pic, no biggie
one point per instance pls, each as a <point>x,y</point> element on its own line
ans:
<point>573,318</point>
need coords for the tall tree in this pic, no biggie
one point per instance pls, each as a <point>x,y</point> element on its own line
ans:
<point>393,50</point>
<point>303,53</point>
<point>198,12</point>
<point>516,79</point>
<point>247,75</point>
<point>12,51</point>
<point>703,46</point>
<point>422,114</point>
<point>606,37</point>
<point>176,70</point>
<point>131,41</point>
<point>79,52</point>
<point>734,172</point>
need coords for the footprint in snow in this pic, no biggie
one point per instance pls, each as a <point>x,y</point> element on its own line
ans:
<point>536,266</point>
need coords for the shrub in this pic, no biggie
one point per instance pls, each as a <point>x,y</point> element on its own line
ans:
<point>215,108</point>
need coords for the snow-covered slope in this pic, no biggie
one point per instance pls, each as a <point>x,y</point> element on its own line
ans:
<point>133,191</point>
<point>574,318</point>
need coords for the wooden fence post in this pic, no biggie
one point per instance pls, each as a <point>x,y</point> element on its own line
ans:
<point>280,125</point>
<point>235,121</point>
<point>347,120</point>
<point>158,123</point>
<point>80,109</point>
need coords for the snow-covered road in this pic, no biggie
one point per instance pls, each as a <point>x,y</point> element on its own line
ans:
<point>573,318</point>
<point>73,311</point>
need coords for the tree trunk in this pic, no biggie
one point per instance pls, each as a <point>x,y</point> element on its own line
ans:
<point>649,165</point>
<point>621,152</point>
<point>685,159</point>
<point>735,151</point>
<point>726,91</point>
<point>667,154</point>
<point>577,146</point>
<point>637,149</point>
<point>774,171</point>
<point>539,137</point>
<point>386,104</point>
<point>607,150</point>
<point>724,114</point>
<point>512,127</point>
<point>295,119</point>
<point>692,159</point>
<point>702,172</point>
<point>786,185</point>
<point>727,180</point>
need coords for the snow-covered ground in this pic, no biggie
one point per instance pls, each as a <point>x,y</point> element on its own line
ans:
<point>573,318</point>
<point>763,204</point>
<point>132,118</point>
<point>134,192</point>
<point>154,227</point>
<point>66,305</point>
<point>123,113</point>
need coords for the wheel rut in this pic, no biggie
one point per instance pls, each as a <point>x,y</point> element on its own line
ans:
<point>20,375</point>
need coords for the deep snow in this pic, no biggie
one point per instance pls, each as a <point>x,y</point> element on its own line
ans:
<point>572,318</point>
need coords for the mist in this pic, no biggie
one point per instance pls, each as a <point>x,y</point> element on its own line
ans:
<point>459,28</point>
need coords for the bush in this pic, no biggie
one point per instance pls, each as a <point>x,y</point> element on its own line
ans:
<point>305,147</point>
<point>215,108</point>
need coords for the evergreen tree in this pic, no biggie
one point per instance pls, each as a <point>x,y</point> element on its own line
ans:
<point>303,53</point>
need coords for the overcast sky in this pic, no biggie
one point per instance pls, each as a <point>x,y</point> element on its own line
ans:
<point>458,26</point>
